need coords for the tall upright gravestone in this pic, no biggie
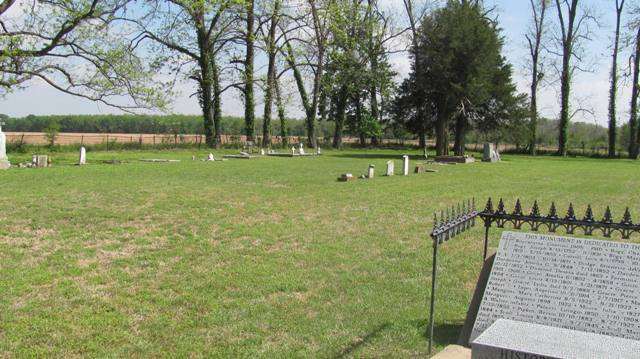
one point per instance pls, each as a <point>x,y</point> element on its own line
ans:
<point>405,165</point>
<point>572,284</point>
<point>4,161</point>
<point>82,160</point>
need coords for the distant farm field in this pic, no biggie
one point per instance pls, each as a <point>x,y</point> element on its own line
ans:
<point>268,257</point>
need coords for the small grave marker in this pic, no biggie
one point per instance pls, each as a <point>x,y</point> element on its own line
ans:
<point>371,171</point>
<point>390,168</point>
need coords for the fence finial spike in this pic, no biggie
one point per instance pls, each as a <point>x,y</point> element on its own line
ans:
<point>571,214</point>
<point>553,213</point>
<point>535,210</point>
<point>489,207</point>
<point>518,209</point>
<point>626,219</point>
<point>608,218</point>
<point>500,207</point>
<point>588,216</point>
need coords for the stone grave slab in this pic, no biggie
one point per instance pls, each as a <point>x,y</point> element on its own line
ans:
<point>513,339</point>
<point>572,283</point>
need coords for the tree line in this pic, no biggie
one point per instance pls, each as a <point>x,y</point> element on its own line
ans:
<point>331,57</point>
<point>147,124</point>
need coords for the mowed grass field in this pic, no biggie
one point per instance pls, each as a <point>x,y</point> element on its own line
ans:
<point>270,257</point>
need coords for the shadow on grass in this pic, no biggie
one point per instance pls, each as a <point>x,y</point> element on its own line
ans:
<point>443,334</point>
<point>349,349</point>
<point>380,156</point>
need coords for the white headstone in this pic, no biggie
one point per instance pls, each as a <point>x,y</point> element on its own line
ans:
<point>390,168</point>
<point>4,161</point>
<point>405,165</point>
<point>262,152</point>
<point>318,151</point>
<point>83,156</point>
<point>210,157</point>
<point>293,151</point>
<point>371,171</point>
<point>301,149</point>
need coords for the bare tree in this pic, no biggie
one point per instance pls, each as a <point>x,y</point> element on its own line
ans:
<point>76,47</point>
<point>534,42</point>
<point>635,92</point>
<point>249,101</point>
<point>574,20</point>
<point>187,38</point>
<point>614,81</point>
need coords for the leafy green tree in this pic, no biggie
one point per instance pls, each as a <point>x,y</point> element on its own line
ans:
<point>463,77</point>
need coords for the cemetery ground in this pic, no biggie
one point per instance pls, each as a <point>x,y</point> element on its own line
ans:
<point>263,257</point>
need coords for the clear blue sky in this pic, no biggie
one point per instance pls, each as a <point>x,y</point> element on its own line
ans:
<point>591,89</point>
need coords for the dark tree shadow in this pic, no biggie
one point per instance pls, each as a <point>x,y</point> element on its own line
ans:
<point>345,352</point>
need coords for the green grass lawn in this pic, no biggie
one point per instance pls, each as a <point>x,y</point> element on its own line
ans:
<point>269,257</point>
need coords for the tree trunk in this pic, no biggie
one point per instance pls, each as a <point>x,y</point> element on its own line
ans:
<point>340,115</point>
<point>217,110</point>
<point>614,82</point>
<point>249,101</point>
<point>281,115</point>
<point>565,79</point>
<point>461,129</point>
<point>271,75</point>
<point>565,93</point>
<point>633,118</point>
<point>442,141</point>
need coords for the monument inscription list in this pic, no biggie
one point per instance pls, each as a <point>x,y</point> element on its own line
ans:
<point>572,283</point>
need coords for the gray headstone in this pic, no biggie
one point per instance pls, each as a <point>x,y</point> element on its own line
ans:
<point>390,168</point>
<point>405,165</point>
<point>512,339</point>
<point>573,283</point>
<point>4,161</point>
<point>490,153</point>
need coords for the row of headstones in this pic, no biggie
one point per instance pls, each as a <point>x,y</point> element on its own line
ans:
<point>420,168</point>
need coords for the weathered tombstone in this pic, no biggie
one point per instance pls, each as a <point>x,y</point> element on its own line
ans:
<point>490,153</point>
<point>420,168</point>
<point>293,151</point>
<point>4,161</point>
<point>210,157</point>
<point>40,161</point>
<point>83,156</point>
<point>318,151</point>
<point>262,152</point>
<point>301,149</point>
<point>405,165</point>
<point>575,284</point>
<point>390,168</point>
<point>371,171</point>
